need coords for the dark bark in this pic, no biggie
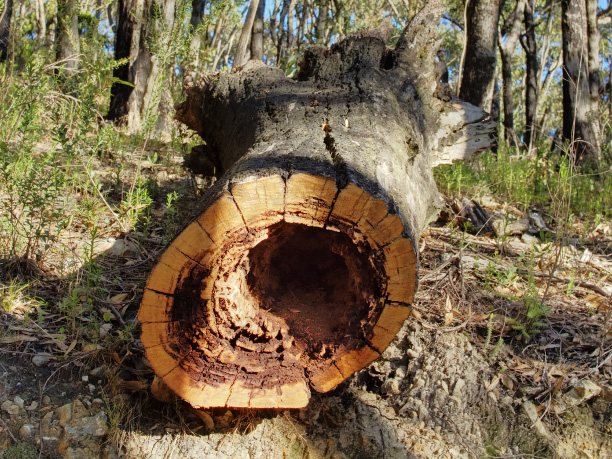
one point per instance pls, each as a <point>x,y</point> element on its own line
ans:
<point>282,32</point>
<point>479,65</point>
<point>531,75</point>
<point>68,46</point>
<point>578,120</point>
<point>128,12</point>
<point>136,29</point>
<point>512,29</point>
<point>257,33</point>
<point>197,16</point>
<point>5,29</point>
<point>593,40</point>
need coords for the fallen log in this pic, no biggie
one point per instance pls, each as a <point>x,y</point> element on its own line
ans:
<point>301,265</point>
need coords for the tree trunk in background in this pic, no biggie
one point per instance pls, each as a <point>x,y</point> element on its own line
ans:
<point>243,41</point>
<point>322,21</point>
<point>5,29</point>
<point>479,65</point>
<point>257,34</point>
<point>282,33</point>
<point>129,13</point>
<point>531,75</point>
<point>41,21</point>
<point>506,52</point>
<point>578,121</point>
<point>593,40</point>
<point>197,16</point>
<point>136,28</point>
<point>301,264</point>
<point>67,37</point>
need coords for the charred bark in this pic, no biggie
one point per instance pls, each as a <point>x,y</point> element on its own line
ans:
<point>301,265</point>
<point>531,75</point>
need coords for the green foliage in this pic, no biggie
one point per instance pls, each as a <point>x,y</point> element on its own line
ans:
<point>545,179</point>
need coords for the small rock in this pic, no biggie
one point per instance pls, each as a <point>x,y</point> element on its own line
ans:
<point>85,378</point>
<point>90,426</point>
<point>46,400</point>
<point>97,372</point>
<point>503,227</point>
<point>528,239</point>
<point>32,406</point>
<point>10,407</point>
<point>19,401</point>
<point>105,329</point>
<point>27,432</point>
<point>537,221</point>
<point>91,388</point>
<point>532,413</point>
<point>40,359</point>
<point>390,387</point>
<point>65,414</point>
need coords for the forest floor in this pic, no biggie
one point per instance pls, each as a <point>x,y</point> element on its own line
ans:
<point>500,358</point>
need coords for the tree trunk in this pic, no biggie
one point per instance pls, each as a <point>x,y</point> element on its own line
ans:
<point>578,120</point>
<point>593,40</point>
<point>506,52</point>
<point>243,41</point>
<point>301,265</point>
<point>257,34</point>
<point>135,31</point>
<point>5,29</point>
<point>322,21</point>
<point>68,46</point>
<point>478,80</point>
<point>531,75</point>
<point>197,16</point>
<point>41,21</point>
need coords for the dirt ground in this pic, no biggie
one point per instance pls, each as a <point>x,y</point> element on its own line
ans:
<point>477,370</point>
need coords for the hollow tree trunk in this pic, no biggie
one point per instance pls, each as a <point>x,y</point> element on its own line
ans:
<point>302,263</point>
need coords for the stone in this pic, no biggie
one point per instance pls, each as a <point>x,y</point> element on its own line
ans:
<point>10,407</point>
<point>391,387</point>
<point>27,432</point>
<point>40,359</point>
<point>537,222</point>
<point>65,414</point>
<point>89,426</point>
<point>19,401</point>
<point>504,227</point>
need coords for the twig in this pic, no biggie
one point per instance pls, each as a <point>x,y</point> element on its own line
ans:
<point>9,431</point>
<point>564,280</point>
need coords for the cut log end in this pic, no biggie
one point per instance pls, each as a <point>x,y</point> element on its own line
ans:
<point>279,286</point>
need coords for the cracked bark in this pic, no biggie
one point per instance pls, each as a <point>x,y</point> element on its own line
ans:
<point>301,266</point>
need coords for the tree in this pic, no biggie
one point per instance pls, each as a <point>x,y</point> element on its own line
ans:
<point>579,125</point>
<point>529,45</point>
<point>139,25</point>
<point>301,263</point>
<point>67,38</point>
<point>240,57</point>
<point>197,17</point>
<point>480,53</point>
<point>512,30</point>
<point>5,28</point>
<point>257,37</point>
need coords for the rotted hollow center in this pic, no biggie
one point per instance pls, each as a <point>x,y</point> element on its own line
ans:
<point>317,281</point>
